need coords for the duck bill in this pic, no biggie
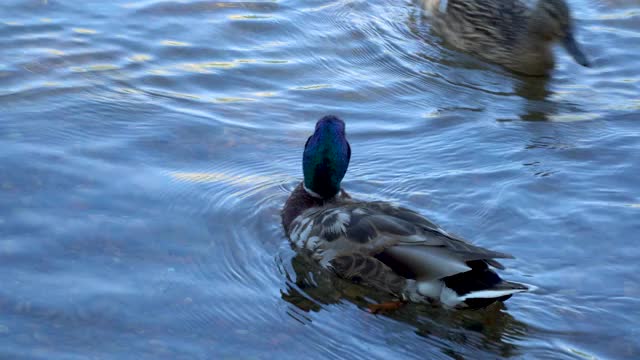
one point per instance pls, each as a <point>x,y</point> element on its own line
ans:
<point>572,47</point>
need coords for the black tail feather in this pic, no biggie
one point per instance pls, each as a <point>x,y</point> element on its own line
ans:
<point>479,278</point>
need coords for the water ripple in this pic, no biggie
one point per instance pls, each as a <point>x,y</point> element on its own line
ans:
<point>148,148</point>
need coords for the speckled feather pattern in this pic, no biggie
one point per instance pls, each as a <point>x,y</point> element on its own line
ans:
<point>348,237</point>
<point>496,30</point>
<point>349,226</point>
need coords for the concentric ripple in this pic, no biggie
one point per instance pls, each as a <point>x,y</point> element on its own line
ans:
<point>148,147</point>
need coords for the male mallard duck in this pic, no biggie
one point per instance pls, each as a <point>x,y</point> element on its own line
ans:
<point>379,244</point>
<point>507,32</point>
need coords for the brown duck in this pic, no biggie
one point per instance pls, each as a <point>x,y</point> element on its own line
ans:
<point>507,32</point>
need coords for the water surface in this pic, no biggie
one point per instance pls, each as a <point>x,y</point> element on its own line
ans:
<point>147,148</point>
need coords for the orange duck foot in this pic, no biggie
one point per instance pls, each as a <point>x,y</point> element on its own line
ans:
<point>385,307</point>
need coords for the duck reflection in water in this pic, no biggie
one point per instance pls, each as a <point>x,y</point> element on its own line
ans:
<point>311,289</point>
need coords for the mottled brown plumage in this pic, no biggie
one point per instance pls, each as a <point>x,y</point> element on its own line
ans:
<point>507,32</point>
<point>390,248</point>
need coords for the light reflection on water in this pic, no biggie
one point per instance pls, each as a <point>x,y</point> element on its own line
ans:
<point>149,146</point>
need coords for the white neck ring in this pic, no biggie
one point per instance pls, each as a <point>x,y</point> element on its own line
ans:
<point>311,192</point>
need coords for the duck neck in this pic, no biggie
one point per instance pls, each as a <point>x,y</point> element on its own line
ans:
<point>538,59</point>
<point>302,199</point>
<point>299,201</point>
<point>539,37</point>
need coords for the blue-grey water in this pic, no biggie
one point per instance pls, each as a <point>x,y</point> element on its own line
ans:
<point>148,146</point>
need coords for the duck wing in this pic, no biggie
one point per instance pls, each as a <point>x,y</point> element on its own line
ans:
<point>401,238</point>
<point>413,245</point>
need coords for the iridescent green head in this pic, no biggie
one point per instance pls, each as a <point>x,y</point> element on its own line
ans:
<point>326,158</point>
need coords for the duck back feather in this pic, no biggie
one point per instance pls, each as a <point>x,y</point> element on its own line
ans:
<point>440,266</point>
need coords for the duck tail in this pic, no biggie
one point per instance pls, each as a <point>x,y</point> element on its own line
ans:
<point>478,288</point>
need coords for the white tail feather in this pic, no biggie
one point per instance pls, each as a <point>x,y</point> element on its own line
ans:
<point>450,298</point>
<point>488,294</point>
